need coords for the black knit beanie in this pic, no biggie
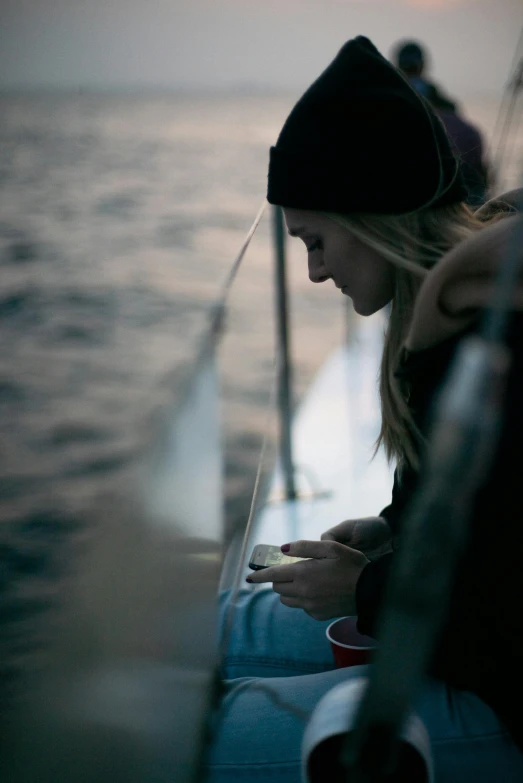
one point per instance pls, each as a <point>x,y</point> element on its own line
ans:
<point>362,140</point>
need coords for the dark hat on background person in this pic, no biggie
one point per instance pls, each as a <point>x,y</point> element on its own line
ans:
<point>361,139</point>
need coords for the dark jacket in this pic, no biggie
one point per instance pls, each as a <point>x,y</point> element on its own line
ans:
<point>465,138</point>
<point>481,646</point>
<point>469,149</point>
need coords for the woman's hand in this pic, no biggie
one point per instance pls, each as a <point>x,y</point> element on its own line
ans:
<point>323,586</point>
<point>371,535</point>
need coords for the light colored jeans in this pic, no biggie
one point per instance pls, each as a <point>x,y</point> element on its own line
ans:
<point>258,739</point>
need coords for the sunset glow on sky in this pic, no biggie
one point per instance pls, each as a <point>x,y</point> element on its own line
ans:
<point>222,43</point>
<point>435,3</point>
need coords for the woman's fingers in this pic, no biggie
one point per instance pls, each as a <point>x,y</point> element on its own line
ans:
<point>292,603</point>
<point>281,573</point>
<point>288,589</point>
<point>309,550</point>
<point>323,584</point>
<point>317,550</point>
<point>329,535</point>
<point>342,532</point>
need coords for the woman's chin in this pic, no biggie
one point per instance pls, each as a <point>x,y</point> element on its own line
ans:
<point>366,308</point>
<point>363,308</point>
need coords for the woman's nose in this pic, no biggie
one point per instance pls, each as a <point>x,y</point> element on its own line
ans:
<point>317,272</point>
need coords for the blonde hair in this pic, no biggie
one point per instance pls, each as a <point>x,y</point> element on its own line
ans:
<point>413,243</point>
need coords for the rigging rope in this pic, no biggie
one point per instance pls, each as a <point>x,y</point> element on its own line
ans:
<point>509,99</point>
<point>229,617</point>
<point>212,336</point>
<point>239,258</point>
<point>253,685</point>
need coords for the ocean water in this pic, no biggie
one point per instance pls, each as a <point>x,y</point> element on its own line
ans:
<point>120,217</point>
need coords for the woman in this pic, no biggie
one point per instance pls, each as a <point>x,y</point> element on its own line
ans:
<point>367,180</point>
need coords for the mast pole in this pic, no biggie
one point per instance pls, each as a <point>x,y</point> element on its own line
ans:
<point>285,402</point>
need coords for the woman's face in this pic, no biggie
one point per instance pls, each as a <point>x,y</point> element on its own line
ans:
<point>335,254</point>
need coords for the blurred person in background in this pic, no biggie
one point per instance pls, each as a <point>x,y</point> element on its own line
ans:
<point>411,59</point>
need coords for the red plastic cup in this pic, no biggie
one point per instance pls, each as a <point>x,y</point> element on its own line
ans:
<point>349,647</point>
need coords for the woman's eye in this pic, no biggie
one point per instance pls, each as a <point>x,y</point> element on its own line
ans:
<point>317,245</point>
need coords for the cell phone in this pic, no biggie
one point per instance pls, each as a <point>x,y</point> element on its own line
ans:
<point>265,555</point>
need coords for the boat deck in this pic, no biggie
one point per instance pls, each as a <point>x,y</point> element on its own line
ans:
<point>333,440</point>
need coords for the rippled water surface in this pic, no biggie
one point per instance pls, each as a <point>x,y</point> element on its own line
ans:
<point>120,217</point>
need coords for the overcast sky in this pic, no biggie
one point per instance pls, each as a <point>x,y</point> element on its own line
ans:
<point>220,43</point>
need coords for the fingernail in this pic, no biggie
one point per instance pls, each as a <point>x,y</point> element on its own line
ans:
<point>285,547</point>
<point>249,580</point>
